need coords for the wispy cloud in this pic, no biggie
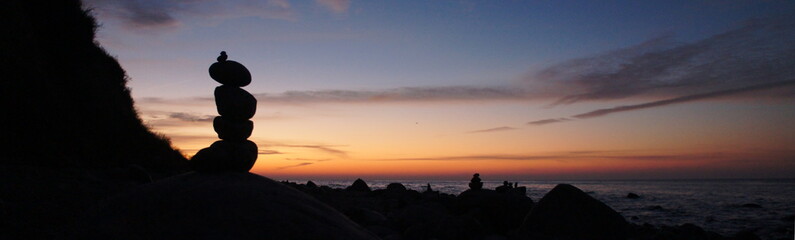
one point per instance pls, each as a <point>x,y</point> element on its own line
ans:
<point>581,155</point>
<point>407,94</point>
<point>497,129</point>
<point>308,159</point>
<point>548,121</point>
<point>269,152</point>
<point>683,99</point>
<point>758,52</point>
<point>323,148</point>
<point>191,117</point>
<point>336,6</point>
<point>695,97</point>
<point>296,165</point>
<point>159,14</point>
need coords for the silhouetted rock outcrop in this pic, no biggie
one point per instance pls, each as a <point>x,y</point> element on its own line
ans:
<point>499,212</point>
<point>311,185</point>
<point>506,187</point>
<point>229,205</point>
<point>633,196</point>
<point>395,187</point>
<point>751,205</point>
<point>566,212</point>
<point>358,185</point>
<point>487,214</point>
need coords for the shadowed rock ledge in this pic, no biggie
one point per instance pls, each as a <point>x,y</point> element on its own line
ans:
<point>217,206</point>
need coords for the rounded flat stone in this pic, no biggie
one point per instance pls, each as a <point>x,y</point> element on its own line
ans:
<point>226,156</point>
<point>235,103</point>
<point>232,129</point>
<point>207,160</point>
<point>230,73</point>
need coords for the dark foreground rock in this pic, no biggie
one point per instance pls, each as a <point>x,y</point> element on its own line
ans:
<point>633,196</point>
<point>567,212</point>
<point>217,206</point>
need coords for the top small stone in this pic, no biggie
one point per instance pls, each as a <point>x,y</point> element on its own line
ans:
<point>229,72</point>
<point>223,57</point>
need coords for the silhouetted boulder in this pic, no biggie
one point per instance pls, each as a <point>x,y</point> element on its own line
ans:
<point>233,129</point>
<point>217,206</point>
<point>693,231</point>
<point>366,217</point>
<point>395,187</point>
<point>432,221</point>
<point>311,184</point>
<point>633,196</point>
<point>229,72</point>
<point>654,208</point>
<point>566,212</point>
<point>506,187</point>
<point>751,205</point>
<point>235,103</point>
<point>521,191</point>
<point>499,212</point>
<point>358,185</point>
<point>745,235</point>
<point>224,156</point>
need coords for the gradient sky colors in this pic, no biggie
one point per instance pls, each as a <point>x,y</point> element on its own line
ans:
<point>442,89</point>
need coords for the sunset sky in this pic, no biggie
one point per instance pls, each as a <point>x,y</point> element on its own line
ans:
<point>514,90</point>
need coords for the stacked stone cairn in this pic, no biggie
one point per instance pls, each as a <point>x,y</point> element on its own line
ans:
<point>475,183</point>
<point>234,152</point>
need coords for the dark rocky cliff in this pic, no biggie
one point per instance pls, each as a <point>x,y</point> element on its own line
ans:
<point>64,100</point>
<point>69,134</point>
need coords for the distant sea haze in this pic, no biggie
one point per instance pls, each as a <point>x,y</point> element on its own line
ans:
<point>724,206</point>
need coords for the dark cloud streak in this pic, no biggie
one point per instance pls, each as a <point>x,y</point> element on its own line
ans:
<point>296,165</point>
<point>582,155</point>
<point>269,152</point>
<point>158,14</point>
<point>407,94</point>
<point>548,121</point>
<point>190,117</point>
<point>323,148</point>
<point>497,129</point>
<point>761,51</point>
<point>690,98</point>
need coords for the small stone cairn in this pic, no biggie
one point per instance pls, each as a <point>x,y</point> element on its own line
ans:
<point>475,184</point>
<point>233,153</point>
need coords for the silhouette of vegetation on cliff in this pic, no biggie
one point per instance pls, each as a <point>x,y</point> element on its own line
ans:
<point>64,99</point>
<point>69,134</point>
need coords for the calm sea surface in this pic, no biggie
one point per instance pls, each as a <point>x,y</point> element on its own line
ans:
<point>715,205</point>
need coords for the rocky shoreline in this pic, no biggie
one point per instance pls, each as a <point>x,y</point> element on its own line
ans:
<point>506,212</point>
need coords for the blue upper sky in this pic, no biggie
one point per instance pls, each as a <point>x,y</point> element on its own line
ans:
<point>312,45</point>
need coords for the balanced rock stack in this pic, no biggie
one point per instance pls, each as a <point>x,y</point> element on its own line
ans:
<point>475,183</point>
<point>233,153</point>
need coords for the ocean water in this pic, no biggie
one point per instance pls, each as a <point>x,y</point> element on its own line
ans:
<point>715,205</point>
